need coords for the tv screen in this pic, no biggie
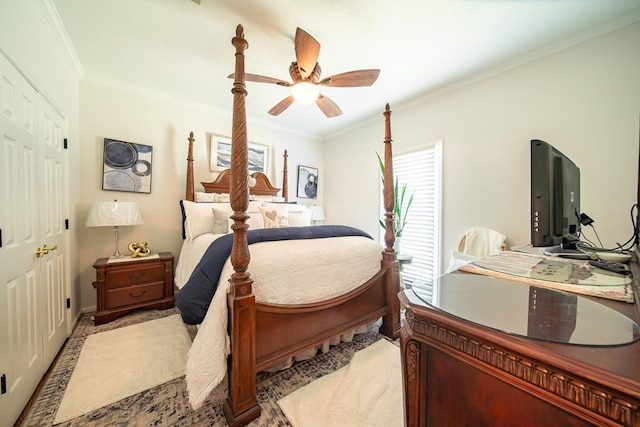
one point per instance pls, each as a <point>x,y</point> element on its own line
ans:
<point>555,196</point>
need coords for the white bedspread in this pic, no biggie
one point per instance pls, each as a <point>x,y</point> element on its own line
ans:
<point>284,272</point>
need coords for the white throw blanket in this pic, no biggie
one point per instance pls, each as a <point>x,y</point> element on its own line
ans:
<point>482,242</point>
<point>284,272</point>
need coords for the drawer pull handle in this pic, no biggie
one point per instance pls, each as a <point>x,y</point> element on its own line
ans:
<point>137,296</point>
<point>134,277</point>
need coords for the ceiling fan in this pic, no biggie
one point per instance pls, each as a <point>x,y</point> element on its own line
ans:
<point>305,73</point>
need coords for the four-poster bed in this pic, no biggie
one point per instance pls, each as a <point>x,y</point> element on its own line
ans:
<point>262,334</point>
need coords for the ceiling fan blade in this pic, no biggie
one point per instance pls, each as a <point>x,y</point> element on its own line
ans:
<point>328,107</point>
<point>261,79</point>
<point>352,79</point>
<point>307,51</point>
<point>281,106</point>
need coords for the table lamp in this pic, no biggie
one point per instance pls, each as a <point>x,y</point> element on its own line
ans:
<point>317,214</point>
<point>114,214</point>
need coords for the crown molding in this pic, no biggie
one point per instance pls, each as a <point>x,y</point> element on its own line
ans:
<point>52,16</point>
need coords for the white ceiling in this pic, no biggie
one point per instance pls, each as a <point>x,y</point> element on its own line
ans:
<point>183,49</point>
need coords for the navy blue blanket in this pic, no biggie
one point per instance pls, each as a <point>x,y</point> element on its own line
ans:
<point>194,298</point>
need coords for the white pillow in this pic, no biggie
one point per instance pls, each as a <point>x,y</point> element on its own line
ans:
<point>254,206</point>
<point>211,197</point>
<point>299,219</point>
<point>295,207</point>
<point>198,218</point>
<point>291,207</point>
<point>205,197</point>
<point>221,220</point>
<point>254,221</point>
<point>274,215</point>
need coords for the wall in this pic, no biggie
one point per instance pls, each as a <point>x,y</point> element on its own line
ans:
<point>152,119</point>
<point>585,100</point>
<point>28,39</point>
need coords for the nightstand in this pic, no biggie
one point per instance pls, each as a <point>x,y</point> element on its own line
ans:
<point>125,285</point>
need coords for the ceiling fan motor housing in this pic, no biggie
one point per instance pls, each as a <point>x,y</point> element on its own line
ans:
<point>314,76</point>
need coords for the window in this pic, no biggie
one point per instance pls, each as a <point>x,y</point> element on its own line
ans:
<point>421,170</point>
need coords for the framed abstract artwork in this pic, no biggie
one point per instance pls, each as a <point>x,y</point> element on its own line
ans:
<point>220,155</point>
<point>307,182</point>
<point>126,166</point>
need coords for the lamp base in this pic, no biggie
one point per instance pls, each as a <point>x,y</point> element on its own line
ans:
<point>116,238</point>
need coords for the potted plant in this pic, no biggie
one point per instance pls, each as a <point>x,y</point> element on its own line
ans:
<point>400,208</point>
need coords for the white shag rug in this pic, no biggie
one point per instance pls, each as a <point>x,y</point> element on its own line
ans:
<point>122,362</point>
<point>365,392</point>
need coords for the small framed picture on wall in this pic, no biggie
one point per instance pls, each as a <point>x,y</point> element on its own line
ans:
<point>126,166</point>
<point>307,182</point>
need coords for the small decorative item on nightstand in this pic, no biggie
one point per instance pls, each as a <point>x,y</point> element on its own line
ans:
<point>124,284</point>
<point>139,249</point>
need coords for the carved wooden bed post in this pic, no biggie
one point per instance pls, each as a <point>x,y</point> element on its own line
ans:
<point>190,196</point>
<point>391,321</point>
<point>285,179</point>
<point>241,405</point>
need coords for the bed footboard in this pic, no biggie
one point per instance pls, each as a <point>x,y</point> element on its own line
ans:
<point>282,331</point>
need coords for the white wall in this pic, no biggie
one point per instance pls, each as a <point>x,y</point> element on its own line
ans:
<point>151,119</point>
<point>585,100</point>
<point>29,41</point>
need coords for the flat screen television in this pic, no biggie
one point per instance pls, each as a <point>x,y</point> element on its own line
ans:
<point>555,197</point>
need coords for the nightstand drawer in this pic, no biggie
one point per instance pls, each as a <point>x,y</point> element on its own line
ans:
<point>133,276</point>
<point>137,294</point>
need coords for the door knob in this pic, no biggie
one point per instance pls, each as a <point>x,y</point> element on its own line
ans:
<point>45,250</point>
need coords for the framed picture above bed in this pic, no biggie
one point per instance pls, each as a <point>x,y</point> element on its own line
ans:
<point>126,166</point>
<point>220,155</point>
<point>307,182</point>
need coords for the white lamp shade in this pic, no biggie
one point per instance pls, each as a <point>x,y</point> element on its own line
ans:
<point>114,214</point>
<point>317,213</point>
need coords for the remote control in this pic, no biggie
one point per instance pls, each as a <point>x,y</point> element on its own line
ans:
<point>615,267</point>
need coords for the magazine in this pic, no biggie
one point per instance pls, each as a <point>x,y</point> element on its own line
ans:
<point>577,276</point>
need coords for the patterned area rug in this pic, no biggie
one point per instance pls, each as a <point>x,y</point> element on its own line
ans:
<point>168,404</point>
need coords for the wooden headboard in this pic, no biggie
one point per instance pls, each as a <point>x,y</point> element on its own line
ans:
<point>222,184</point>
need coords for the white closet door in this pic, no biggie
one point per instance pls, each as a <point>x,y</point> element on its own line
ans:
<point>21,360</point>
<point>33,201</point>
<point>52,204</point>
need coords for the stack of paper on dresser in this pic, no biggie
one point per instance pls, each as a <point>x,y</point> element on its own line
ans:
<point>569,275</point>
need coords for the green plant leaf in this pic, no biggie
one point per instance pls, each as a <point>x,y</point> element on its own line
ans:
<point>400,211</point>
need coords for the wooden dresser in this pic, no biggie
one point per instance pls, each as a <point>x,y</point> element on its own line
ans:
<point>458,372</point>
<point>137,283</point>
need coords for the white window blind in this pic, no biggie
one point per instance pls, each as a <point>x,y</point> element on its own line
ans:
<point>422,172</point>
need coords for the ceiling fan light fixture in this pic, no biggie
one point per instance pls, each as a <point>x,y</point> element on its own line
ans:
<point>305,93</point>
